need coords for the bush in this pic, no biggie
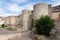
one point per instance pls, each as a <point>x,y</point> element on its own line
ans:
<point>44,25</point>
<point>7,28</point>
<point>4,26</point>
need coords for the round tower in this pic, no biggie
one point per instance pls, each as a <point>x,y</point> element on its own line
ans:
<point>41,9</point>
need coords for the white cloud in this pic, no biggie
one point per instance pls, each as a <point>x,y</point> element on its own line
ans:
<point>14,8</point>
<point>28,6</point>
<point>19,1</point>
<point>3,13</point>
<point>55,2</point>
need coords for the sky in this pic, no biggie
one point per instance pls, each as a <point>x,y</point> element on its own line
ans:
<point>15,7</point>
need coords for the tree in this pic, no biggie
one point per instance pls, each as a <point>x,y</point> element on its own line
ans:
<point>44,25</point>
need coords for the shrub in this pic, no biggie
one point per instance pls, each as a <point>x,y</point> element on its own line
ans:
<point>7,28</point>
<point>44,25</point>
<point>3,26</point>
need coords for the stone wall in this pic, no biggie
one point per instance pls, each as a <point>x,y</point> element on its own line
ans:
<point>55,15</point>
<point>11,21</point>
<point>26,19</point>
<point>56,12</point>
<point>2,21</point>
<point>20,21</point>
<point>7,20</point>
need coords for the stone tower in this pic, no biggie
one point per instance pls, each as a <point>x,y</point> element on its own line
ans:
<point>41,9</point>
<point>26,19</point>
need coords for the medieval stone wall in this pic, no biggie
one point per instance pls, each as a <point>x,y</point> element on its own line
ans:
<point>20,21</point>
<point>55,15</point>
<point>7,22</point>
<point>26,19</point>
<point>2,21</point>
<point>11,21</point>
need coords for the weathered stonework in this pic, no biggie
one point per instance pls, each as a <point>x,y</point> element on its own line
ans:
<point>24,21</point>
<point>11,21</point>
<point>41,9</point>
<point>7,22</point>
<point>20,21</point>
<point>2,21</point>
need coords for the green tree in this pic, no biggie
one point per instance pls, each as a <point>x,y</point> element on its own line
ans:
<point>44,25</point>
